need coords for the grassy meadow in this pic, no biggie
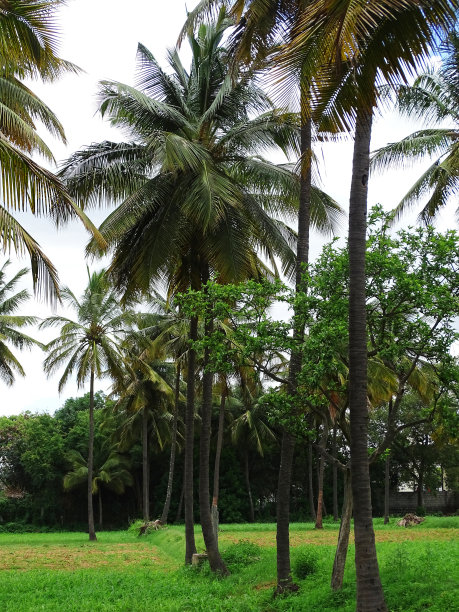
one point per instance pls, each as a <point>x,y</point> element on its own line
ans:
<point>65,572</point>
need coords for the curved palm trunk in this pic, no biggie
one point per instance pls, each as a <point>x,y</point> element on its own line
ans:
<point>284,575</point>
<point>215,561</point>
<point>218,452</point>
<point>320,493</point>
<point>190,545</point>
<point>370,597</point>
<point>145,467</point>
<point>343,537</point>
<point>167,503</point>
<point>91,529</point>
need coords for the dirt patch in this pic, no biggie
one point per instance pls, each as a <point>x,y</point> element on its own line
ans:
<point>70,558</point>
<point>265,585</point>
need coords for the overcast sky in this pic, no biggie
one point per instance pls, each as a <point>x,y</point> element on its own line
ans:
<point>101,37</point>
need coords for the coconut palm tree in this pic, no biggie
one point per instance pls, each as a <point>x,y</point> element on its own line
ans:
<point>432,98</point>
<point>251,432</point>
<point>263,26</point>
<point>110,470</point>
<point>90,347</point>
<point>11,324</point>
<point>144,396</point>
<point>195,200</point>
<point>28,42</point>
<point>382,42</point>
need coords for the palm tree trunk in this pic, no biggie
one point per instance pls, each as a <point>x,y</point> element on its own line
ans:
<point>190,545</point>
<point>320,492</point>
<point>215,561</point>
<point>170,480</point>
<point>145,466</point>
<point>247,484</point>
<point>343,537</point>
<point>312,508</point>
<point>335,478</point>
<point>91,529</point>
<point>218,452</point>
<point>179,507</point>
<point>387,488</point>
<point>100,507</point>
<point>370,597</point>
<point>284,576</point>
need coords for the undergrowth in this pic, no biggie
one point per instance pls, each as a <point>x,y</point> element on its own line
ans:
<point>417,575</point>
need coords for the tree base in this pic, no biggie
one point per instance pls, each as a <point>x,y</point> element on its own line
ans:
<point>286,589</point>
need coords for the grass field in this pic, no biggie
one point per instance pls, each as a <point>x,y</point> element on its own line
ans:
<point>65,572</point>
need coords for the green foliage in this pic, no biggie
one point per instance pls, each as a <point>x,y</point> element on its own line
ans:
<point>137,575</point>
<point>305,563</point>
<point>242,553</point>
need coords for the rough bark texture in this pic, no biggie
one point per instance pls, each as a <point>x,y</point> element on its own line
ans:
<point>215,561</point>
<point>218,452</point>
<point>170,480</point>
<point>91,529</point>
<point>145,467</point>
<point>343,537</point>
<point>370,597</point>
<point>284,576</point>
<point>320,494</point>
<point>335,478</point>
<point>190,545</point>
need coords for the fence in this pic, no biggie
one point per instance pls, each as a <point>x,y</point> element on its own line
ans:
<point>437,501</point>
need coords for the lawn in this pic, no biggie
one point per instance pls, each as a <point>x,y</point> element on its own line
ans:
<point>65,572</point>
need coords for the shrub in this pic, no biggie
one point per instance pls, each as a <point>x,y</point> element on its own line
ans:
<point>305,563</point>
<point>421,511</point>
<point>242,553</point>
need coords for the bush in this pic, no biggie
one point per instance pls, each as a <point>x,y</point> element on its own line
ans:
<point>305,563</point>
<point>242,553</point>
<point>421,511</point>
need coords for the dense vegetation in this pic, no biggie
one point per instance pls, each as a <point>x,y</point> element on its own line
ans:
<point>359,381</point>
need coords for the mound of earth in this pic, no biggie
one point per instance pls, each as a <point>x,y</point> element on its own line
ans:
<point>409,520</point>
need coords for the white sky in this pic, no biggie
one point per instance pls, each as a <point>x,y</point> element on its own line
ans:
<point>101,37</point>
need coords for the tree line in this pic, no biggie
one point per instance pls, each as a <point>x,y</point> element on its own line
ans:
<point>198,204</point>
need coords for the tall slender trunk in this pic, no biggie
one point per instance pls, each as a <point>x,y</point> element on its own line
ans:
<point>335,478</point>
<point>218,452</point>
<point>215,561</point>
<point>387,488</point>
<point>247,484</point>
<point>190,545</point>
<point>91,529</point>
<point>145,467</point>
<point>179,507</point>
<point>312,508</point>
<point>284,574</point>
<point>387,468</point>
<point>320,492</point>
<point>420,494</point>
<point>170,480</point>
<point>343,537</point>
<point>370,597</point>
<point>100,507</point>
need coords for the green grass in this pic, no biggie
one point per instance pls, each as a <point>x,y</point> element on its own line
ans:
<point>63,572</point>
